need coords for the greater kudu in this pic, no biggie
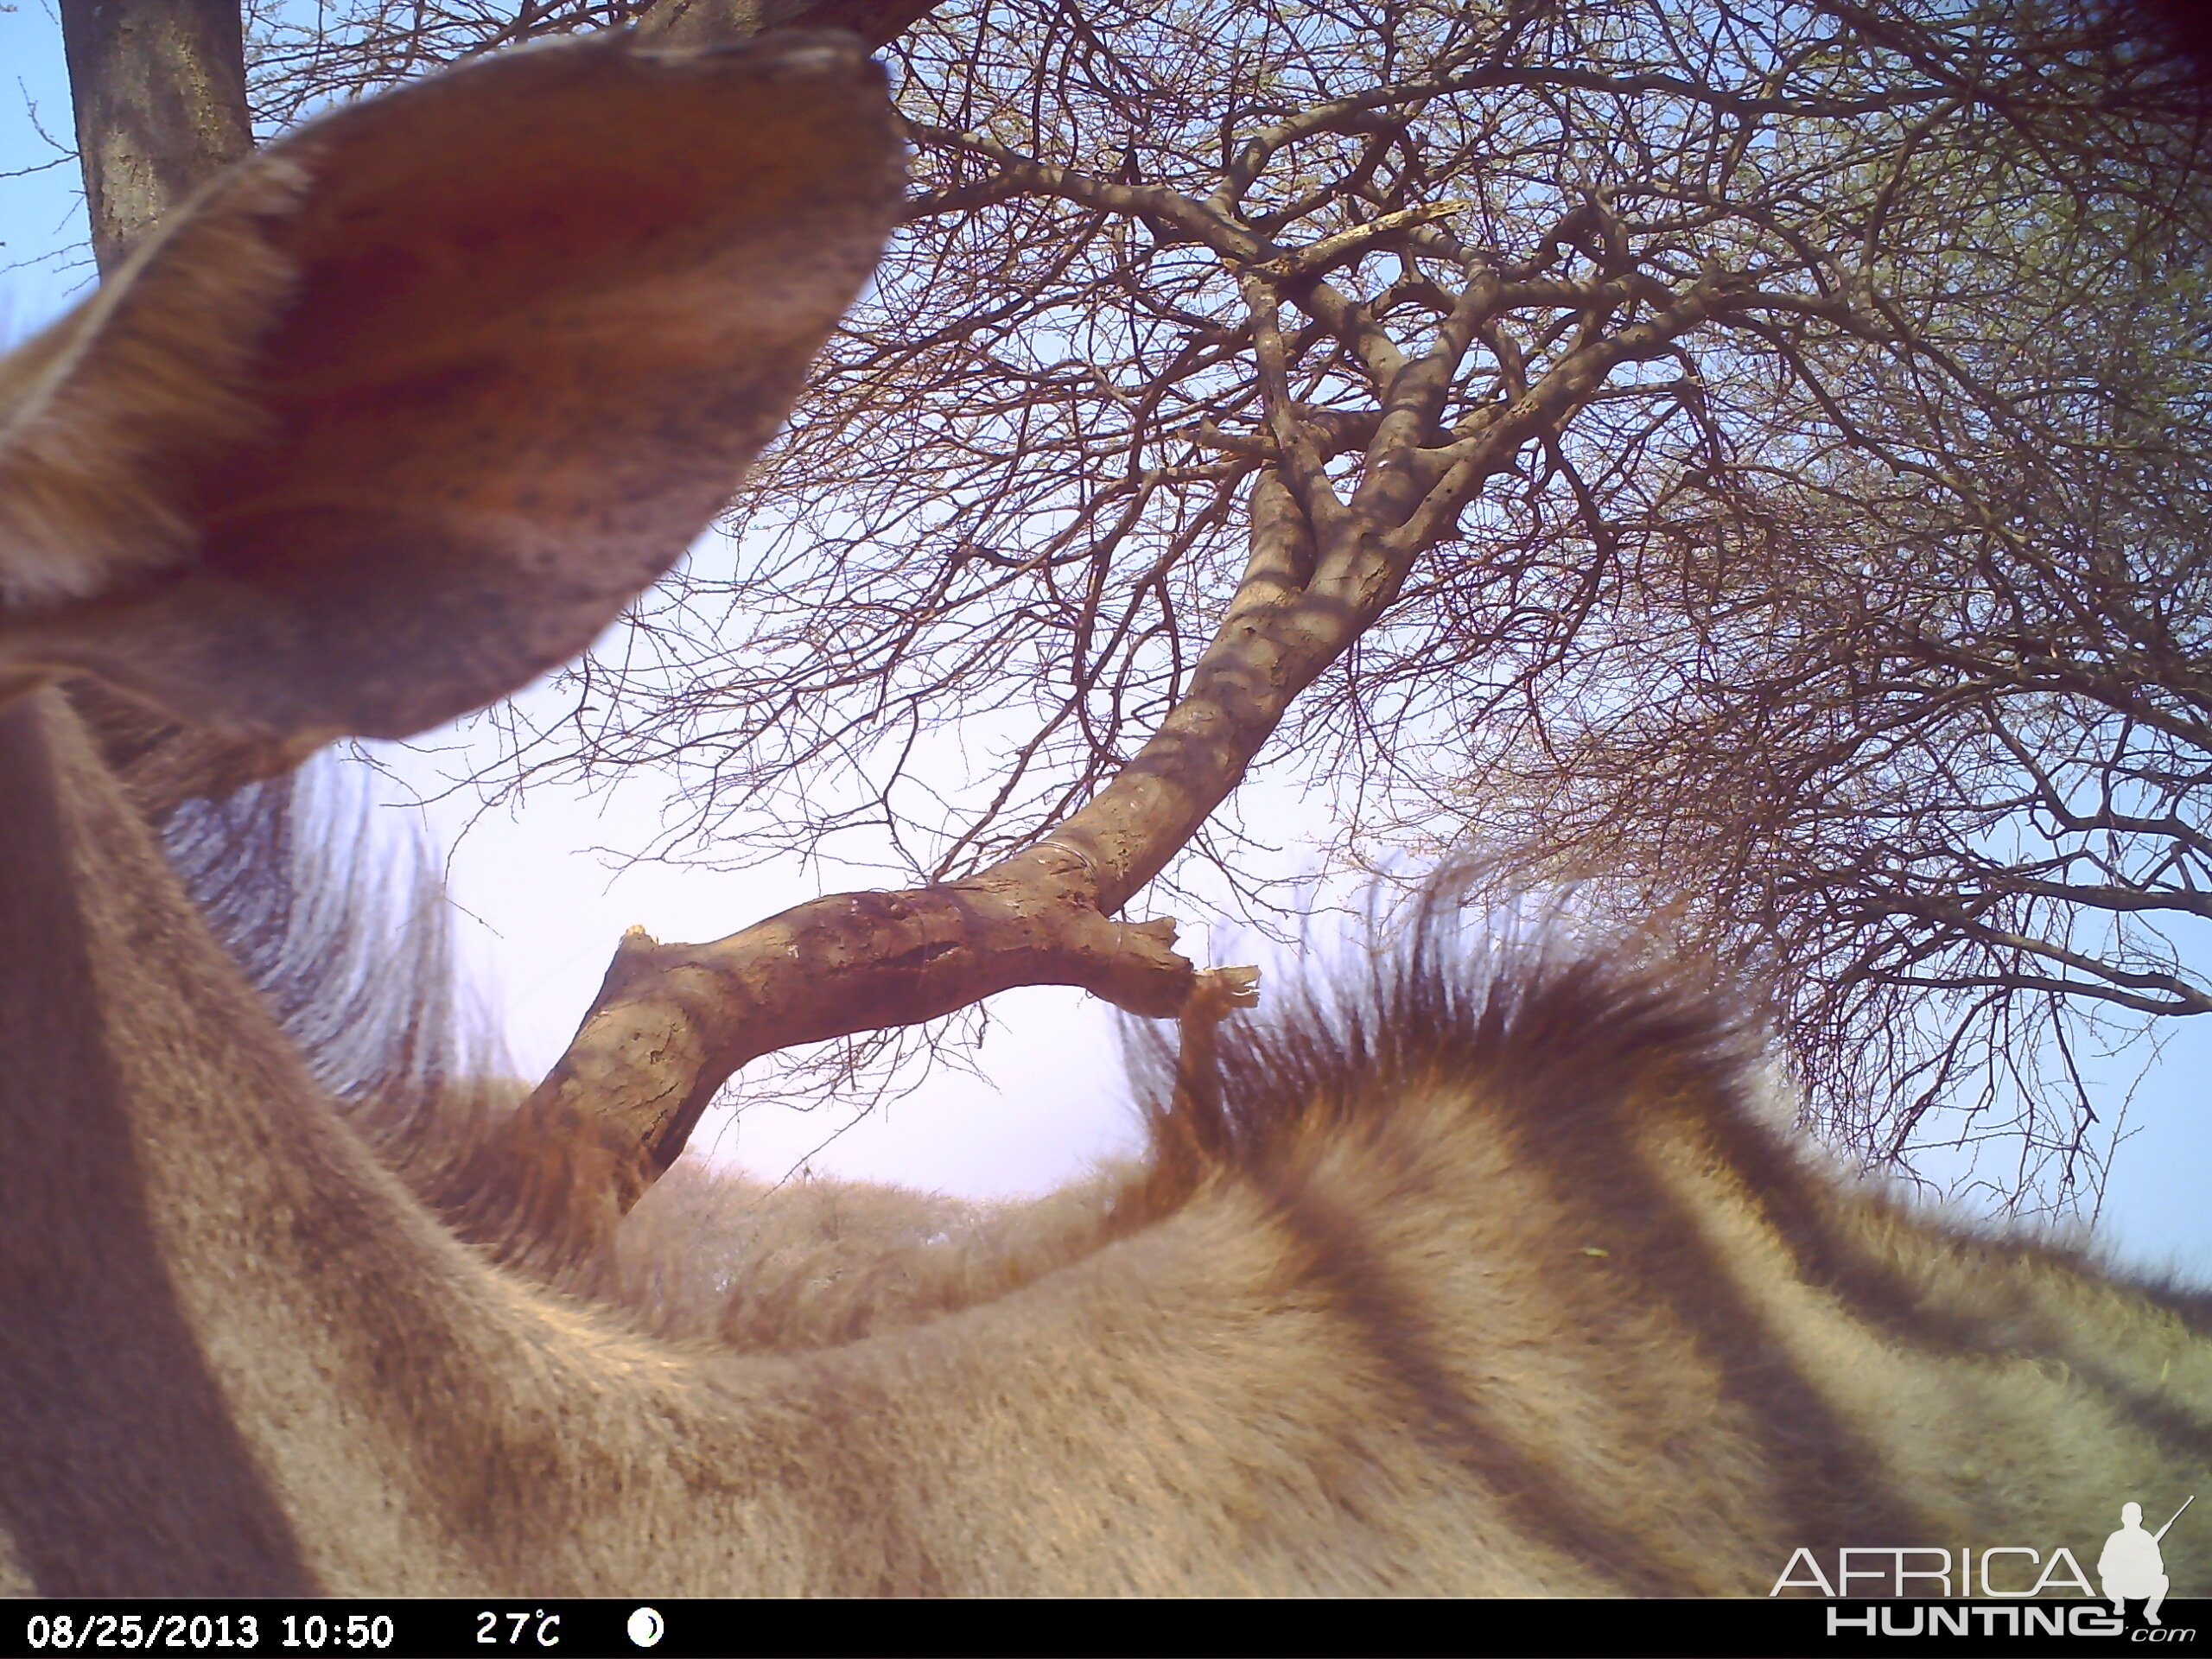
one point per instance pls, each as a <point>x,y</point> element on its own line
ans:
<point>1472,1282</point>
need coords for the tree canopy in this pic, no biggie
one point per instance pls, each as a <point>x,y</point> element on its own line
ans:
<point>1753,457</point>
<point>1744,462</point>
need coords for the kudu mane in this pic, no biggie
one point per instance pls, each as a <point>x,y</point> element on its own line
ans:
<point>348,941</point>
<point>1477,1275</point>
<point>1569,1053</point>
<point>346,938</point>
<point>1477,1271</point>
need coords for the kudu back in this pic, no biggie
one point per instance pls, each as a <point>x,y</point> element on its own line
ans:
<point>1476,1279</point>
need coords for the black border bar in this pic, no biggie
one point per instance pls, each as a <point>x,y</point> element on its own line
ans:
<point>688,1629</point>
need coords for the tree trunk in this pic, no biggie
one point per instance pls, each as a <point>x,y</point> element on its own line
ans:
<point>160,92</point>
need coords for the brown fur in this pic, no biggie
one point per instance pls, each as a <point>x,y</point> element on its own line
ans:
<point>1489,1285</point>
<point>1482,1279</point>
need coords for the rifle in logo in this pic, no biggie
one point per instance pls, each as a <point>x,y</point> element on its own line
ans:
<point>2131,1565</point>
<point>2161,1532</point>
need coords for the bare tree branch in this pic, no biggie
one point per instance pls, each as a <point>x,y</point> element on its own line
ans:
<point>1753,452</point>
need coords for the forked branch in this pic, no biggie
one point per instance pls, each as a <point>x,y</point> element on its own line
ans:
<point>672,1022</point>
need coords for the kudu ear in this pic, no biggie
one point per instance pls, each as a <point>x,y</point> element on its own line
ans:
<point>403,411</point>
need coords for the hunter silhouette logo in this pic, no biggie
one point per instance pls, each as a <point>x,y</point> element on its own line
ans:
<point>2131,1567</point>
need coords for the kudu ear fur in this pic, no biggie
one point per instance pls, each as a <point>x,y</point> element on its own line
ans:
<point>403,411</point>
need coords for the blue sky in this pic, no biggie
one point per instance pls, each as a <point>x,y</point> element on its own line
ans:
<point>541,905</point>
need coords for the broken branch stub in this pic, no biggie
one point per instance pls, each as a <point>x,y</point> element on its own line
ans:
<point>672,1022</point>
